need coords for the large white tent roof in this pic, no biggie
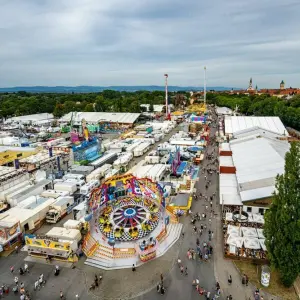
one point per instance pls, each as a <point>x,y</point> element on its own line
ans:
<point>234,124</point>
<point>31,118</point>
<point>229,194</point>
<point>224,111</point>
<point>257,164</point>
<point>96,117</point>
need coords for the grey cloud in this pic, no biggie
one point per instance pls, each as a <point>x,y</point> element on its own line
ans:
<point>115,42</point>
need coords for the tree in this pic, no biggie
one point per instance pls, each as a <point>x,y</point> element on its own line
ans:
<point>89,107</point>
<point>282,220</point>
<point>151,107</point>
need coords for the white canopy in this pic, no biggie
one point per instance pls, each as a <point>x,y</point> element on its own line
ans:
<point>236,241</point>
<point>262,244</point>
<point>229,216</point>
<point>257,218</point>
<point>260,233</point>
<point>251,243</point>
<point>249,232</point>
<point>233,230</point>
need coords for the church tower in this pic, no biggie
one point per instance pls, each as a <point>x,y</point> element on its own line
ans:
<point>282,85</point>
<point>250,87</point>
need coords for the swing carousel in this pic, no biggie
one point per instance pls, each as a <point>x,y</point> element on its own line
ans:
<point>127,208</point>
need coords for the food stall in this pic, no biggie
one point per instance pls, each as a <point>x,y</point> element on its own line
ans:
<point>147,249</point>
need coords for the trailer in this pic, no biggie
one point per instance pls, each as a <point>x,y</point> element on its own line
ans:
<point>80,211</point>
<point>152,159</point>
<point>111,173</point>
<point>70,187</point>
<point>59,209</point>
<point>123,160</point>
<point>98,173</point>
<point>132,146</point>
<point>183,142</point>
<point>81,170</point>
<point>141,149</point>
<point>54,194</point>
<point>65,234</point>
<point>157,172</point>
<point>108,158</point>
<point>73,176</point>
<point>88,187</point>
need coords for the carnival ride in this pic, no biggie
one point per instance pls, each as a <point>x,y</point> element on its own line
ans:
<point>127,208</point>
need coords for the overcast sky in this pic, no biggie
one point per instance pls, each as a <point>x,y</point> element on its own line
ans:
<point>134,42</point>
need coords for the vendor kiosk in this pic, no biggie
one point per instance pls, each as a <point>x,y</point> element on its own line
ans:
<point>148,249</point>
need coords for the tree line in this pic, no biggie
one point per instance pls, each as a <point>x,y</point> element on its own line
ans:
<point>288,110</point>
<point>23,103</point>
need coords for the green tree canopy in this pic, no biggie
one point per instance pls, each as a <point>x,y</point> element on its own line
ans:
<point>282,220</point>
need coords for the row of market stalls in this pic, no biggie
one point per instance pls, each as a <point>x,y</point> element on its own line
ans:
<point>244,239</point>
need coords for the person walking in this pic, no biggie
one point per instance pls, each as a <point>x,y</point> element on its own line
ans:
<point>96,281</point>
<point>26,268</point>
<point>61,295</point>
<point>12,268</point>
<point>16,280</point>
<point>158,287</point>
<point>133,268</point>
<point>179,262</point>
<point>186,271</point>
<point>181,270</point>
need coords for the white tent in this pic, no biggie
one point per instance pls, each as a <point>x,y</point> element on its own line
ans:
<point>260,233</point>
<point>229,217</point>
<point>257,218</point>
<point>236,241</point>
<point>262,244</point>
<point>250,218</point>
<point>251,243</point>
<point>249,232</point>
<point>233,230</point>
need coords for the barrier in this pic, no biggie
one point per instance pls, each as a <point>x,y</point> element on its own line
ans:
<point>161,235</point>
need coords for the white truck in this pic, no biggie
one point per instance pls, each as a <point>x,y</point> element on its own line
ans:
<point>59,209</point>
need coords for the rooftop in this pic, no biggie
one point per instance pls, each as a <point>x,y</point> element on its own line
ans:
<point>97,117</point>
<point>180,200</point>
<point>234,124</point>
<point>258,161</point>
<point>30,118</point>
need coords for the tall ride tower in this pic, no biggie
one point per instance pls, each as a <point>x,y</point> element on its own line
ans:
<point>168,117</point>
<point>205,85</point>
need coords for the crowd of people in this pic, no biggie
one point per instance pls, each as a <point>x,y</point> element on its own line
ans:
<point>201,221</point>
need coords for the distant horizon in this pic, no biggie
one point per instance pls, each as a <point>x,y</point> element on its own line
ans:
<point>120,88</point>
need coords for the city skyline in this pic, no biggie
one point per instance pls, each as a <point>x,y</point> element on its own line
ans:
<point>111,43</point>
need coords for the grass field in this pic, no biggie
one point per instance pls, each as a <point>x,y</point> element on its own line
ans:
<point>275,288</point>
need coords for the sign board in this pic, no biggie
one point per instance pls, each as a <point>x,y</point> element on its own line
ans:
<point>47,243</point>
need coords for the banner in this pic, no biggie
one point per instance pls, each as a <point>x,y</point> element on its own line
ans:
<point>47,243</point>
